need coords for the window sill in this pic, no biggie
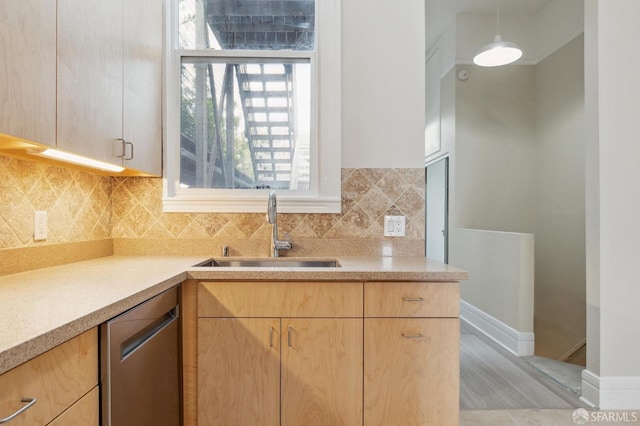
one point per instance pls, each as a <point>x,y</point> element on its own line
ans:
<point>235,204</point>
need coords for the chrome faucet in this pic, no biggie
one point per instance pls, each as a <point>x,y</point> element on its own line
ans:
<point>272,217</point>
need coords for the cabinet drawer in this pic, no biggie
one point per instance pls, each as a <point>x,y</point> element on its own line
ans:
<point>85,412</point>
<point>433,299</point>
<point>57,379</point>
<point>279,299</point>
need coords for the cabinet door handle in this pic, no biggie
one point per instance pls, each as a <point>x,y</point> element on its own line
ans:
<point>271,330</point>
<point>130,157</point>
<point>123,148</point>
<point>412,336</point>
<point>29,401</point>
<point>412,299</point>
<point>290,337</point>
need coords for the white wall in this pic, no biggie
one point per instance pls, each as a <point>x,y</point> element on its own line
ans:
<point>613,204</point>
<point>559,222</point>
<point>500,266</point>
<point>495,148</point>
<point>383,83</point>
<point>558,23</point>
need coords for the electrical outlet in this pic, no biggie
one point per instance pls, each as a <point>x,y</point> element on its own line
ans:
<point>40,226</point>
<point>394,226</point>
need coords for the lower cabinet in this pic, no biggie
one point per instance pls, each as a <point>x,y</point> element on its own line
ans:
<point>411,353</point>
<point>238,371</point>
<point>321,371</point>
<point>57,380</point>
<point>284,370</point>
<point>321,353</point>
<point>411,371</point>
<point>82,413</point>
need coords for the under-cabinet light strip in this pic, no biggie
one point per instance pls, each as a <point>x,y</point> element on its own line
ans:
<point>77,159</point>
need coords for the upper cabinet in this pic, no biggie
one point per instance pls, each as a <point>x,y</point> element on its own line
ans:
<point>109,81</point>
<point>84,77</point>
<point>28,69</point>
<point>142,115</point>
<point>90,63</point>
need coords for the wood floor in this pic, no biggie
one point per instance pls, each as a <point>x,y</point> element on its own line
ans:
<point>493,379</point>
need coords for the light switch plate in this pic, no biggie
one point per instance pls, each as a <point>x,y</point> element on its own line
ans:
<point>394,226</point>
<point>40,226</point>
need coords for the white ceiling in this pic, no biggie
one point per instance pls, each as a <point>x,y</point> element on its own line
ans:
<point>439,13</point>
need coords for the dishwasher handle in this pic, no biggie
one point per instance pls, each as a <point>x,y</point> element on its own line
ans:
<point>136,341</point>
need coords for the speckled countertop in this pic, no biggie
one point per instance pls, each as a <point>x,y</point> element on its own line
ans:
<point>41,309</point>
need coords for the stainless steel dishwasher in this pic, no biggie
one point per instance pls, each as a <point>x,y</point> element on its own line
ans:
<point>139,365</point>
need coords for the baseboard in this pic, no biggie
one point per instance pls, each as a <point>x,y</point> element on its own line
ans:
<point>610,392</point>
<point>518,343</point>
<point>581,344</point>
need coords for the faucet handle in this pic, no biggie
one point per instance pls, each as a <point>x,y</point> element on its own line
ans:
<point>272,208</point>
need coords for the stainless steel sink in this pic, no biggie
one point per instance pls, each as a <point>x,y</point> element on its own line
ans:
<point>269,263</point>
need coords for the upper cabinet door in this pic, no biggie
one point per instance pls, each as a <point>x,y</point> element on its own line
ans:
<point>28,69</point>
<point>143,85</point>
<point>90,77</point>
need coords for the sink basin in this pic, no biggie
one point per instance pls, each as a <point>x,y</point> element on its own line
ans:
<point>269,263</point>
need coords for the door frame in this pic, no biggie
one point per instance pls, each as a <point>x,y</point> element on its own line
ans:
<point>428,163</point>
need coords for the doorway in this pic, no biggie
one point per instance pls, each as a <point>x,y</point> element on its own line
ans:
<point>437,210</point>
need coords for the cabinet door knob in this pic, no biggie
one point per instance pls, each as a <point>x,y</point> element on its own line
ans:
<point>412,336</point>
<point>412,299</point>
<point>29,401</point>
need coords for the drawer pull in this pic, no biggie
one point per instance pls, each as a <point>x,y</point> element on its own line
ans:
<point>412,336</point>
<point>29,401</point>
<point>412,299</point>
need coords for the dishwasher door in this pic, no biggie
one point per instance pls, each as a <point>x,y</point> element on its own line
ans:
<point>139,365</point>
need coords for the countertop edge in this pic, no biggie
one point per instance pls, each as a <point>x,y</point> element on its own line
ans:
<point>31,346</point>
<point>236,274</point>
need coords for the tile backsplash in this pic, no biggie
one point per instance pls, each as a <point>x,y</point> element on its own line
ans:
<point>78,204</point>
<point>85,207</point>
<point>367,195</point>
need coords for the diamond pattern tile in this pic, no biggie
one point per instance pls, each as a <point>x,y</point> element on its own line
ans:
<point>78,204</point>
<point>367,195</point>
<point>86,207</point>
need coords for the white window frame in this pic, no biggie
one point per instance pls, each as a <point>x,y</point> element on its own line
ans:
<point>323,195</point>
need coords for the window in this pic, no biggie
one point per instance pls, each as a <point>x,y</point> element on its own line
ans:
<point>252,105</point>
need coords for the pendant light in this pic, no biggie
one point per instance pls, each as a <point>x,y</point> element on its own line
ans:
<point>499,52</point>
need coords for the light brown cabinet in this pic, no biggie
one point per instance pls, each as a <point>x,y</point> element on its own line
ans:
<point>339,353</point>
<point>83,413</point>
<point>411,346</point>
<point>239,371</point>
<point>321,371</point>
<point>302,365</point>
<point>57,380</point>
